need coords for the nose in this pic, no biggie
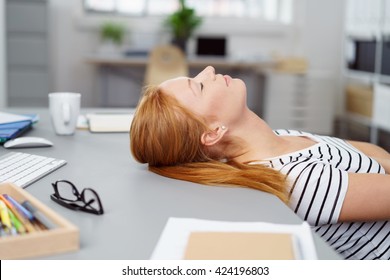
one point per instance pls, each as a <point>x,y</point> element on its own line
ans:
<point>209,70</point>
<point>207,73</point>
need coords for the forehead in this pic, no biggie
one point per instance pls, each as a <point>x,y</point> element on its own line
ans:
<point>174,82</point>
<point>182,91</point>
<point>175,87</point>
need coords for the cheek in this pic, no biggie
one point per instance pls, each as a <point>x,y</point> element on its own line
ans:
<point>215,105</point>
<point>187,100</point>
<point>218,104</point>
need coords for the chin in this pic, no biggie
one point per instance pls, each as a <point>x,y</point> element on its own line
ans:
<point>239,85</point>
<point>241,82</point>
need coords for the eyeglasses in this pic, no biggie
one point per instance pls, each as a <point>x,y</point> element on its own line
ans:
<point>67,195</point>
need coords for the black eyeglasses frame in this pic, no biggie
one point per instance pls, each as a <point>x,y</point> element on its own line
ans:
<point>80,197</point>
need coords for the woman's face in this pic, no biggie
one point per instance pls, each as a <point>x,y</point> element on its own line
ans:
<point>218,98</point>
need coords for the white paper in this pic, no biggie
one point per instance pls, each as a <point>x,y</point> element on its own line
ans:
<point>105,122</point>
<point>10,118</point>
<point>174,238</point>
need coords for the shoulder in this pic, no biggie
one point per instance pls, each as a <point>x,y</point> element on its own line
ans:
<point>367,198</point>
<point>370,149</point>
<point>317,191</point>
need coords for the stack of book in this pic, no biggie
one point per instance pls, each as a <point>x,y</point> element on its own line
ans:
<point>13,125</point>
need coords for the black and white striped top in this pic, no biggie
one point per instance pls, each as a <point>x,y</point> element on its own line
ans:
<point>318,182</point>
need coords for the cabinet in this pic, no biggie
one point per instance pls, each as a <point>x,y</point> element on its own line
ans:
<point>367,39</point>
<point>367,59</point>
<point>27,52</point>
<point>300,101</point>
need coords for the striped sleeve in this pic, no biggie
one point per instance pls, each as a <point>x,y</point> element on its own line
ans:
<point>318,191</point>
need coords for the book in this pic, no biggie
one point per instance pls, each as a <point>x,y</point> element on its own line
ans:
<point>11,118</point>
<point>14,125</point>
<point>240,246</point>
<point>106,122</point>
<point>12,130</point>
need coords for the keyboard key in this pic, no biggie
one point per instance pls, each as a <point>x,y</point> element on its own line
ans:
<point>23,169</point>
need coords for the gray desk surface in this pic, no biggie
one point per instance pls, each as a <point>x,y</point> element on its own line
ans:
<point>137,202</point>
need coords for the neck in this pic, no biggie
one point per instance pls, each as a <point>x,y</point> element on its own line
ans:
<point>256,139</point>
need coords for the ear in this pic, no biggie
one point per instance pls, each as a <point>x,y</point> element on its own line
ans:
<point>212,137</point>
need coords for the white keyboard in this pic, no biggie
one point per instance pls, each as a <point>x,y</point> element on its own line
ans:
<point>23,169</point>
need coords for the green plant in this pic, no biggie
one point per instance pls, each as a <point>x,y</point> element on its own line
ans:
<point>112,31</point>
<point>183,22</point>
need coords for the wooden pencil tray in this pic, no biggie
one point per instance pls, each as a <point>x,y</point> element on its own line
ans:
<point>63,238</point>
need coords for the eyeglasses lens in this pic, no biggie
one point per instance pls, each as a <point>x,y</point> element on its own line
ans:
<point>66,191</point>
<point>90,199</point>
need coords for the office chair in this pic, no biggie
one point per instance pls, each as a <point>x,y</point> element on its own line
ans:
<point>165,62</point>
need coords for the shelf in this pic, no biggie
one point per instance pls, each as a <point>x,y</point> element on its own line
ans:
<point>366,48</point>
<point>366,77</point>
<point>384,79</point>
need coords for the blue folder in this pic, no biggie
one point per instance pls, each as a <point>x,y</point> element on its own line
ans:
<point>12,130</point>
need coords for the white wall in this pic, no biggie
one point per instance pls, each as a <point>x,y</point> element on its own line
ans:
<point>316,34</point>
<point>69,44</point>
<point>3,87</point>
<point>322,41</point>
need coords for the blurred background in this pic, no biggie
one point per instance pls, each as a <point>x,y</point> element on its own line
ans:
<point>315,65</point>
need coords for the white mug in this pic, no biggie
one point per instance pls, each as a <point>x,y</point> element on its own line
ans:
<point>64,111</point>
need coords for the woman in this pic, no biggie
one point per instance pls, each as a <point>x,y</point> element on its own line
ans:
<point>201,130</point>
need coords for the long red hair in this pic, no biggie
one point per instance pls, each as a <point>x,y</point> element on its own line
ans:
<point>167,136</point>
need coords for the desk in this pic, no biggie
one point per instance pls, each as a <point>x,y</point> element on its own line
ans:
<point>138,203</point>
<point>133,68</point>
<point>193,61</point>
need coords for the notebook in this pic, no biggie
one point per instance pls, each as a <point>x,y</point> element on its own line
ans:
<point>239,246</point>
<point>174,241</point>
